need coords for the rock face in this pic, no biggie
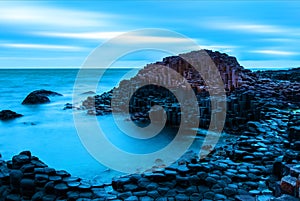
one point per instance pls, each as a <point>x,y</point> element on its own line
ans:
<point>39,97</point>
<point>8,115</point>
<point>288,75</point>
<point>249,94</point>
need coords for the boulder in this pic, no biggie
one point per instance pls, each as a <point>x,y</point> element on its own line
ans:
<point>8,115</point>
<point>39,97</point>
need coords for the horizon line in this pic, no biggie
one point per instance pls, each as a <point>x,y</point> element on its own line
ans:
<point>64,68</point>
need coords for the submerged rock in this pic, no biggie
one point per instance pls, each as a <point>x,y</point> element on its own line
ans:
<point>8,115</point>
<point>39,97</point>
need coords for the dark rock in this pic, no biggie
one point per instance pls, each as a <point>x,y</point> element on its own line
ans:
<point>26,153</point>
<point>286,198</point>
<point>41,179</point>
<point>84,187</point>
<point>277,169</point>
<point>68,106</point>
<point>288,185</point>
<point>61,188</point>
<point>15,179</point>
<point>39,97</point>
<point>130,187</point>
<point>182,197</point>
<point>8,115</point>
<point>55,178</point>
<point>20,160</point>
<point>195,197</point>
<point>154,194</point>
<point>62,173</point>
<point>230,191</point>
<point>294,133</point>
<point>124,195</point>
<point>88,93</point>
<point>209,195</point>
<point>132,198</point>
<point>13,197</point>
<point>38,196</point>
<point>49,198</point>
<point>220,197</point>
<point>27,187</point>
<point>49,187</point>
<point>244,198</point>
<point>296,145</point>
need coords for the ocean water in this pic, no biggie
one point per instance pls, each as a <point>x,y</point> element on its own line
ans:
<point>49,132</point>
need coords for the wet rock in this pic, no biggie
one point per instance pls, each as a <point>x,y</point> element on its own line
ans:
<point>13,197</point>
<point>8,115</point>
<point>15,178</point>
<point>285,198</point>
<point>61,188</point>
<point>68,106</point>
<point>244,198</point>
<point>27,187</point>
<point>132,198</point>
<point>288,185</point>
<point>19,160</point>
<point>37,196</point>
<point>182,197</point>
<point>39,97</point>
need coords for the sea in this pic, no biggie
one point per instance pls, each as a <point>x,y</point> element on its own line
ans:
<point>49,131</point>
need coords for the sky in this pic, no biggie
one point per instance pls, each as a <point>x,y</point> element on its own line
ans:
<point>61,34</point>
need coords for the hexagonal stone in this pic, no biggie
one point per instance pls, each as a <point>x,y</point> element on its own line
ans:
<point>27,187</point>
<point>130,187</point>
<point>182,197</point>
<point>132,198</point>
<point>220,197</point>
<point>60,188</point>
<point>15,178</point>
<point>195,197</point>
<point>13,197</point>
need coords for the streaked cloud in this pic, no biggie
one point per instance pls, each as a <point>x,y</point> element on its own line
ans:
<point>80,35</point>
<point>49,16</point>
<point>38,58</point>
<point>249,27</point>
<point>275,52</point>
<point>140,39</point>
<point>41,46</point>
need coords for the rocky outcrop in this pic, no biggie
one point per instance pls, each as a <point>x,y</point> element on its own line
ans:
<point>39,97</point>
<point>292,75</point>
<point>25,177</point>
<point>8,115</point>
<point>249,94</point>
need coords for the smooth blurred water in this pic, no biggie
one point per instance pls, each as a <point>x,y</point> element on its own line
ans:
<point>49,132</point>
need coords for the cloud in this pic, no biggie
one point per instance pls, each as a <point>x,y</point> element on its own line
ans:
<point>249,27</point>
<point>80,35</point>
<point>151,39</point>
<point>275,52</point>
<point>41,46</point>
<point>49,16</point>
<point>39,58</point>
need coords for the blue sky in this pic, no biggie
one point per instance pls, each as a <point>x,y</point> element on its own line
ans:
<point>63,33</point>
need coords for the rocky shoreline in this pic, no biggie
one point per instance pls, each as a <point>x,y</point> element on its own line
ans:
<point>260,163</point>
